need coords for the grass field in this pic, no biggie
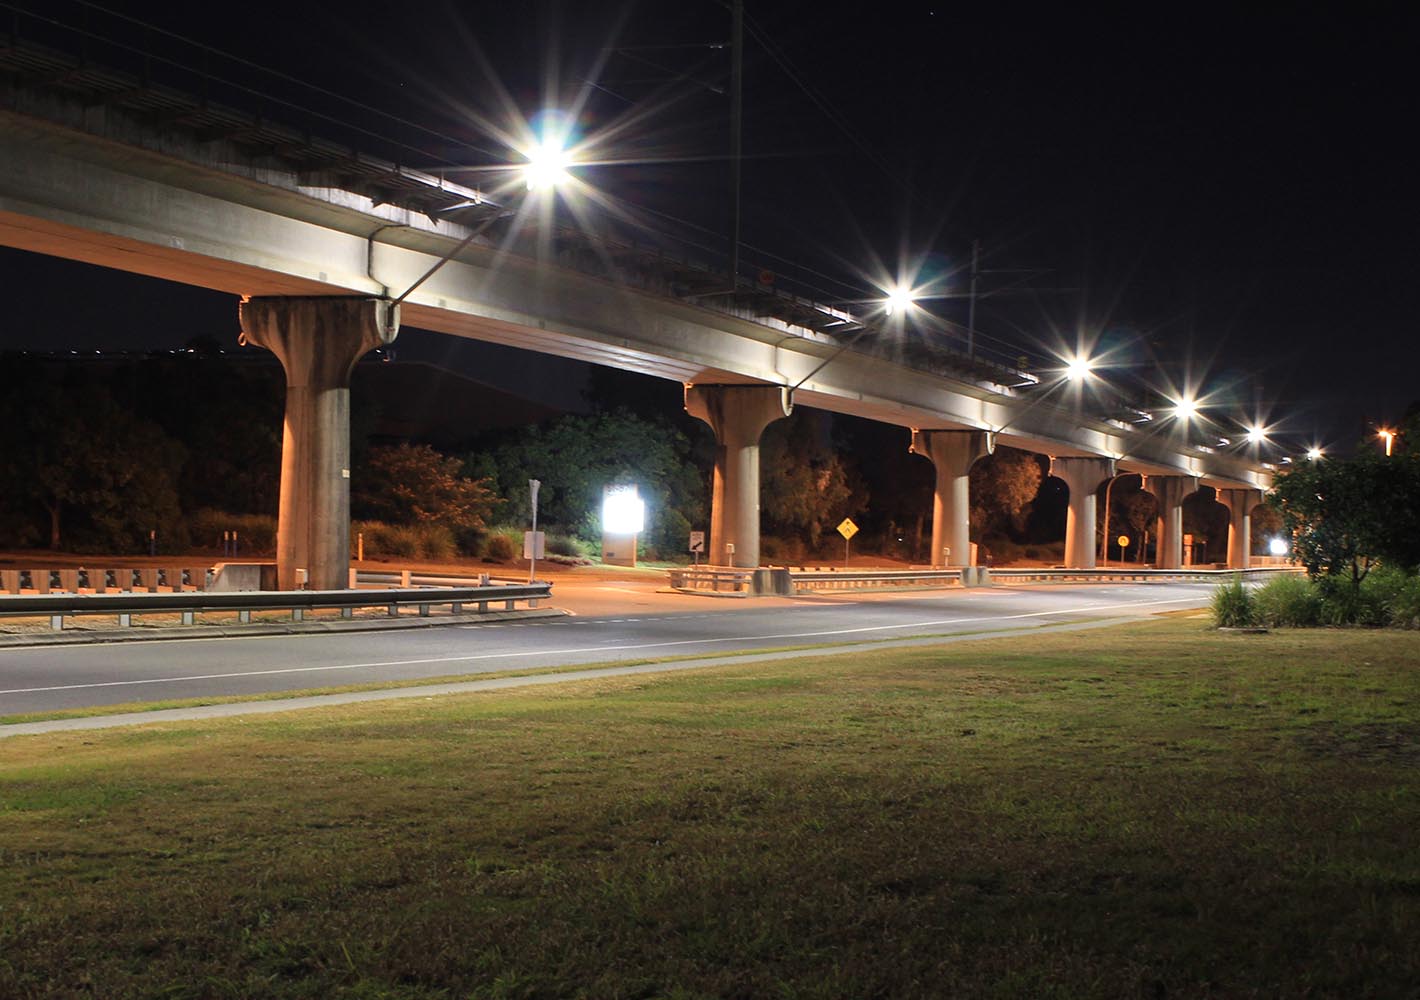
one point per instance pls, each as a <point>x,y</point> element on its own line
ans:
<point>1145,811</point>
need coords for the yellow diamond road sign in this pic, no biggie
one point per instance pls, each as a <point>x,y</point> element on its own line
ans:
<point>847,529</point>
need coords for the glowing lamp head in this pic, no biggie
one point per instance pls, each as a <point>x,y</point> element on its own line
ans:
<point>899,300</point>
<point>1313,454</point>
<point>1277,546</point>
<point>547,165</point>
<point>1185,408</point>
<point>1256,435</point>
<point>623,511</point>
<point>1078,369</point>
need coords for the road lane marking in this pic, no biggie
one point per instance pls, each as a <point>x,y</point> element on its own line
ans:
<point>474,657</point>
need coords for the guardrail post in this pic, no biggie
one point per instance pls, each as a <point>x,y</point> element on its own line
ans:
<point>347,613</point>
<point>298,614</point>
<point>244,617</point>
<point>69,580</point>
<point>124,619</point>
<point>10,581</point>
<point>56,623</point>
<point>189,618</point>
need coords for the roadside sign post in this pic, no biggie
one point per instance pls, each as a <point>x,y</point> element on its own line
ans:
<point>847,529</point>
<point>697,544</point>
<point>533,486</point>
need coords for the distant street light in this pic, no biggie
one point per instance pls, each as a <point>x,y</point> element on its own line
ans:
<point>1078,369</point>
<point>1185,408</point>
<point>1313,454</point>
<point>1388,436</point>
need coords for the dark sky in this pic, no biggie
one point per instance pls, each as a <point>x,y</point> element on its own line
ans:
<point>1228,190</point>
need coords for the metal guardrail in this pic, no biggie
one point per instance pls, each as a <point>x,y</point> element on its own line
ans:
<point>752,582</point>
<point>58,607</point>
<point>1121,575</point>
<point>815,580</point>
<point>713,579</point>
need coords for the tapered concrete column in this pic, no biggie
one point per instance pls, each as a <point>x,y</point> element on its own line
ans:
<point>1083,476</point>
<point>952,454</point>
<point>1170,491</point>
<point>738,414</point>
<point>318,340</point>
<point>1240,504</point>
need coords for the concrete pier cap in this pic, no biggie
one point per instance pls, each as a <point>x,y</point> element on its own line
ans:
<point>952,454</point>
<point>738,414</point>
<point>318,339</point>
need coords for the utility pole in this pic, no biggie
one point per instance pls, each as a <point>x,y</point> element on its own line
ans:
<point>971,304</point>
<point>737,32</point>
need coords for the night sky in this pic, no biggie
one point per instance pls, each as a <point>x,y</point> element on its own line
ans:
<point>1226,193</point>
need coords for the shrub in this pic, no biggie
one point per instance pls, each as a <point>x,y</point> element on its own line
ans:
<point>256,533</point>
<point>567,545</point>
<point>1405,604</point>
<point>1287,600</point>
<point>1233,605</point>
<point>1381,590</point>
<point>499,548</point>
<point>436,542</point>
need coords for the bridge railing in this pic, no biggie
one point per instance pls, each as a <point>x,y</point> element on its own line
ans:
<point>60,607</point>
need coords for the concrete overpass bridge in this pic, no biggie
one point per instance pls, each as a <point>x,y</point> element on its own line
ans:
<point>100,167</point>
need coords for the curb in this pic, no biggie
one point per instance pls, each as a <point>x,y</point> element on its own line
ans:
<point>151,633</point>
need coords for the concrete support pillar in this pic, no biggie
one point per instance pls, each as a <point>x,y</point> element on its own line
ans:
<point>738,414</point>
<point>318,340</point>
<point>1240,504</point>
<point>952,454</point>
<point>1083,476</point>
<point>1170,491</point>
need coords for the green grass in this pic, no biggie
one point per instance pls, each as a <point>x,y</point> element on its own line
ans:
<point>1151,810</point>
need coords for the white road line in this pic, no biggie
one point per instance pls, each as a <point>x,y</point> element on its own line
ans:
<point>579,649</point>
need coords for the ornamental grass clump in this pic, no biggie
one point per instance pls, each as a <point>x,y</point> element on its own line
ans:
<point>1233,606</point>
<point>1288,601</point>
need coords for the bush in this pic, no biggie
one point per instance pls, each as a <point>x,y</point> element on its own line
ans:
<point>1288,600</point>
<point>1405,605</point>
<point>567,545</point>
<point>256,533</point>
<point>1233,605</point>
<point>499,548</point>
<point>434,542</point>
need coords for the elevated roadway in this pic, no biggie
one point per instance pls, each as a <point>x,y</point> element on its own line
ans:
<point>155,183</point>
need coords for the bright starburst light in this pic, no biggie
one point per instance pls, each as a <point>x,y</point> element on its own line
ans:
<point>899,300</point>
<point>547,165</point>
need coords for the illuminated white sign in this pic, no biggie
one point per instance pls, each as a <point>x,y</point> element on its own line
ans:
<point>623,511</point>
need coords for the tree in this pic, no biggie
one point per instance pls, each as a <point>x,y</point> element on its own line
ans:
<point>805,486</point>
<point>414,484</point>
<point>1138,510</point>
<point>1347,515</point>
<point>1003,487</point>
<point>102,477</point>
<point>576,456</point>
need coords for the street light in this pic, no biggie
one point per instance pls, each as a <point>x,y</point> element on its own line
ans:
<point>899,300</point>
<point>1388,436</point>
<point>1078,369</point>
<point>547,165</point>
<point>1185,408</point>
<point>1313,454</point>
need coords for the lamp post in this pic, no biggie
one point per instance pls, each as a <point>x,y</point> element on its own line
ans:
<point>1388,436</point>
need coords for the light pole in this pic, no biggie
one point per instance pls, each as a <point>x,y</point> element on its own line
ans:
<point>1388,436</point>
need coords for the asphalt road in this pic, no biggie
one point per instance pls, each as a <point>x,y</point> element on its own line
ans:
<point>57,677</point>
